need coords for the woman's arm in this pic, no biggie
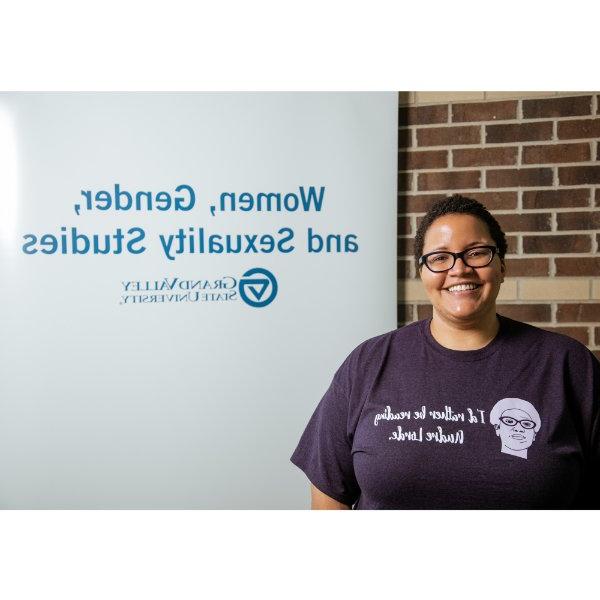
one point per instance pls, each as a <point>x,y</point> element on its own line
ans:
<point>321,501</point>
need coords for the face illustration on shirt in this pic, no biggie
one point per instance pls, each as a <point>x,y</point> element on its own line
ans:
<point>516,429</point>
<point>516,422</point>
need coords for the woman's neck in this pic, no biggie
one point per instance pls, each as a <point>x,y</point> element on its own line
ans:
<point>464,336</point>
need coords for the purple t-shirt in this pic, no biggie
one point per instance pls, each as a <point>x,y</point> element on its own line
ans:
<point>408,423</point>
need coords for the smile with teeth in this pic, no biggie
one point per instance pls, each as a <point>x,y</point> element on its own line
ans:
<point>463,287</point>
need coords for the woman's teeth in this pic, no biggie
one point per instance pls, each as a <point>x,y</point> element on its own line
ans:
<point>463,287</point>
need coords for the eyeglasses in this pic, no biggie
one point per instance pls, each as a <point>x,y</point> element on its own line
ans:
<point>476,257</point>
<point>511,422</point>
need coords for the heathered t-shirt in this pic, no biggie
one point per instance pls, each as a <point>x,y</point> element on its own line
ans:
<point>408,423</point>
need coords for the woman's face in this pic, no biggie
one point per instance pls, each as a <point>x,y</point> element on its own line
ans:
<point>456,232</point>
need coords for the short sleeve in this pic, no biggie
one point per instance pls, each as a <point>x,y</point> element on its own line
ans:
<point>324,450</point>
<point>586,386</point>
<point>595,433</point>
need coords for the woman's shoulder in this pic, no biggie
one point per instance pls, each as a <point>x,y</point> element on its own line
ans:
<point>381,341</point>
<point>367,359</point>
<point>375,349</point>
<point>552,341</point>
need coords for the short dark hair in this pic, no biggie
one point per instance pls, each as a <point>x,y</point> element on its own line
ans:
<point>461,205</point>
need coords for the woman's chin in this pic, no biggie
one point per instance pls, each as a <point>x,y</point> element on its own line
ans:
<point>463,309</point>
<point>461,312</point>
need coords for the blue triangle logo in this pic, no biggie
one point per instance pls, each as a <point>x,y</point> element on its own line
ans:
<point>258,287</point>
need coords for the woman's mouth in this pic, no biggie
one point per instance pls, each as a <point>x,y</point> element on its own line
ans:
<point>463,289</point>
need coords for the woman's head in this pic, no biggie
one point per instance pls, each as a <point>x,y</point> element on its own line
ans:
<point>462,289</point>
<point>458,204</point>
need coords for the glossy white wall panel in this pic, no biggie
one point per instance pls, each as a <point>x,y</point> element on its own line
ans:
<point>182,405</point>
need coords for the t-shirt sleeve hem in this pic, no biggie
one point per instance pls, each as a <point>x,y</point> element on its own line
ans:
<point>320,484</point>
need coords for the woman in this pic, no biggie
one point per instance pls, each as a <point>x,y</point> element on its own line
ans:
<point>468,409</point>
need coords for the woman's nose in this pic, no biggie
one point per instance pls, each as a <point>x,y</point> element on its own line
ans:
<point>459,266</point>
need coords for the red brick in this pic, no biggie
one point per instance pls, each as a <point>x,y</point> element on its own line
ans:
<point>578,333</point>
<point>526,132</point>
<point>404,182</point>
<point>491,200</point>
<point>435,159</point>
<point>484,111</point>
<point>496,200</point>
<point>499,178</point>
<point>417,203</point>
<point>585,266</point>
<point>424,311</point>
<point>527,267</point>
<point>597,339</point>
<point>403,269</point>
<point>556,198</point>
<point>406,246</point>
<point>556,153</point>
<point>581,128</point>
<point>530,313</point>
<point>404,138</point>
<point>423,115</point>
<point>597,202</point>
<point>511,243</point>
<point>529,222</point>
<point>596,353</point>
<point>572,106</point>
<point>578,175</point>
<point>557,244</point>
<point>578,220</point>
<point>405,313</point>
<point>404,226</point>
<point>449,180</point>
<point>448,136</point>
<point>578,313</point>
<point>480,157</point>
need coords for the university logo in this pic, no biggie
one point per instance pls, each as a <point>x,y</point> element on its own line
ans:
<point>258,287</point>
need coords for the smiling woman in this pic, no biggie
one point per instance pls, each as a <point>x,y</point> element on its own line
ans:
<point>537,391</point>
<point>462,267</point>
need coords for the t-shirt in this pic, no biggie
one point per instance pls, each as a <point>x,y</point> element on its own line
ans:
<point>408,423</point>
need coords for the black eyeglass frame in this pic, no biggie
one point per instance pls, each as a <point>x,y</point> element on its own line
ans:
<point>455,255</point>
<point>518,422</point>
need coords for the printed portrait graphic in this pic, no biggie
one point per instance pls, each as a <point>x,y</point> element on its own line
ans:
<point>516,422</point>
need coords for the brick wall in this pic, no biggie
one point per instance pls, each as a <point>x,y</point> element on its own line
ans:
<point>534,162</point>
